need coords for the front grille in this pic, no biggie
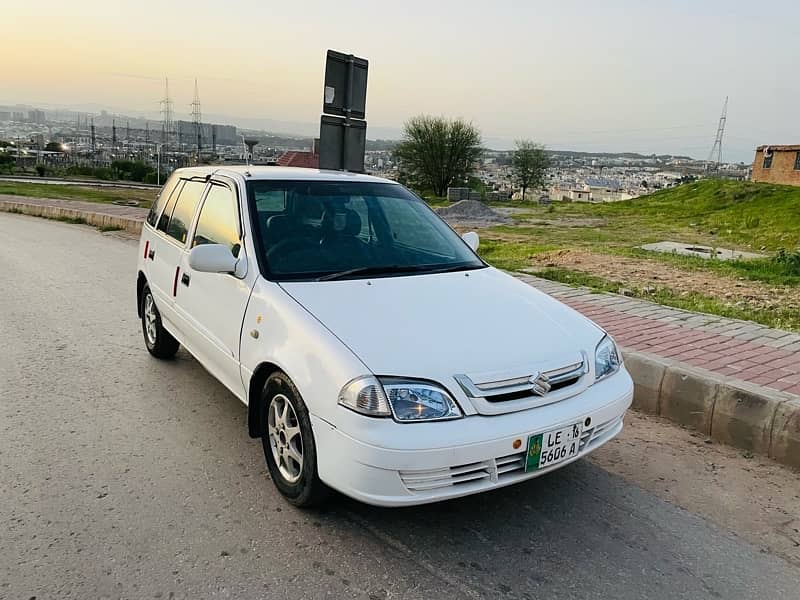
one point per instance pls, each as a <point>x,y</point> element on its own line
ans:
<point>554,387</point>
<point>556,381</point>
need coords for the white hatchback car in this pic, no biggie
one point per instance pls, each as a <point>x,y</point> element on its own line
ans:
<point>377,354</point>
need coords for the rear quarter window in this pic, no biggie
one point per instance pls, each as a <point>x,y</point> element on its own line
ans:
<point>161,201</point>
<point>183,212</point>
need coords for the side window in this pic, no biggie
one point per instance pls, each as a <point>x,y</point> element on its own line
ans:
<point>218,222</point>
<point>163,221</point>
<point>158,205</point>
<point>411,229</point>
<point>767,161</point>
<point>270,201</point>
<point>181,218</point>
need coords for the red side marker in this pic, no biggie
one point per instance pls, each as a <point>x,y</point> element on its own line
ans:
<point>146,247</point>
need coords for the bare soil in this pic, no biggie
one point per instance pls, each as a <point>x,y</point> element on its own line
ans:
<point>647,275</point>
<point>757,498</point>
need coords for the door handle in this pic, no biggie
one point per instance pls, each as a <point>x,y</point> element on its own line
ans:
<point>185,279</point>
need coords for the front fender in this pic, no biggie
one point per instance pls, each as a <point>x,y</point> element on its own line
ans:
<point>278,333</point>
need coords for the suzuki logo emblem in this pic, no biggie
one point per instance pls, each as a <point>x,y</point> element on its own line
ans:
<point>540,383</point>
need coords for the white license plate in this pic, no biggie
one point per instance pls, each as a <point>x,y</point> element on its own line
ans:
<point>553,447</point>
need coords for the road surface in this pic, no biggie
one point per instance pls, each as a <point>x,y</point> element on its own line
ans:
<point>125,477</point>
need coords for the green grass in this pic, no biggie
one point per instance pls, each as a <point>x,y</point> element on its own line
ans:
<point>745,214</point>
<point>77,192</point>
<point>107,228</point>
<point>730,214</point>
<point>510,255</point>
<point>70,220</point>
<point>782,319</point>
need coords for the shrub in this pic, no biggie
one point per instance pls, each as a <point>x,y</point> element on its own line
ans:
<point>789,260</point>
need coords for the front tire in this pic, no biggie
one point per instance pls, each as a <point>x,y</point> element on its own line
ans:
<point>288,442</point>
<point>158,340</point>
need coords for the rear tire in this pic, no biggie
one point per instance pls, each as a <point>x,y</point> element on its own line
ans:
<point>288,441</point>
<point>158,340</point>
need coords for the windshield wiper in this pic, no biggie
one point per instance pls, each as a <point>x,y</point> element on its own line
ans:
<point>451,268</point>
<point>388,269</point>
<point>372,271</point>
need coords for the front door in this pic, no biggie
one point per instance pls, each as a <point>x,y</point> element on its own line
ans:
<point>213,304</point>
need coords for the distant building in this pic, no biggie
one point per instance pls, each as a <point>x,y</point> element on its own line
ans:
<point>777,164</point>
<point>36,116</point>
<point>226,135</point>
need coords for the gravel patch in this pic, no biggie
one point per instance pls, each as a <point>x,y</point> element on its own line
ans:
<point>471,212</point>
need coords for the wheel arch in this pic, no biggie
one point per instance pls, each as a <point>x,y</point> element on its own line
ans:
<point>141,281</point>
<point>254,406</point>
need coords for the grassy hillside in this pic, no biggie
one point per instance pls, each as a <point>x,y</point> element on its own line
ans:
<point>754,215</point>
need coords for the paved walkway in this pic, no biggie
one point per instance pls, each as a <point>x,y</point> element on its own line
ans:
<point>738,349</point>
<point>114,210</point>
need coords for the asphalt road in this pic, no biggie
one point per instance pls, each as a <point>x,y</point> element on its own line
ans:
<point>125,477</point>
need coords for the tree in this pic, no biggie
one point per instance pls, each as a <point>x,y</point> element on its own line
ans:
<point>529,164</point>
<point>437,152</point>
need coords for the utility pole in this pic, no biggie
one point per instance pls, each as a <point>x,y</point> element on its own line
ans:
<point>715,156</point>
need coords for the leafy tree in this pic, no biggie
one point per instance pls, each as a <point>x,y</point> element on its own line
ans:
<point>436,152</point>
<point>529,164</point>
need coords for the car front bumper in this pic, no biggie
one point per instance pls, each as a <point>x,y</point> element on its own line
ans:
<point>436,461</point>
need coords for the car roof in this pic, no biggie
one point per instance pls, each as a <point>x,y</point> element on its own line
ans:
<point>256,172</point>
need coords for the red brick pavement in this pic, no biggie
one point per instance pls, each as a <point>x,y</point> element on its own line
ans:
<point>757,363</point>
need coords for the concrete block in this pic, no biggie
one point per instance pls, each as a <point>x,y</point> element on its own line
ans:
<point>647,372</point>
<point>785,446</point>
<point>743,416</point>
<point>688,396</point>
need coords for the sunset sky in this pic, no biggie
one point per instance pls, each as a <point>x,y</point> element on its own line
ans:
<point>615,75</point>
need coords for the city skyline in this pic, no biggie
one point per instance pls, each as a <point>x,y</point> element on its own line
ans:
<point>624,76</point>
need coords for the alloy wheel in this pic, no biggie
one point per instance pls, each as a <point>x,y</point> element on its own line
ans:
<point>285,438</point>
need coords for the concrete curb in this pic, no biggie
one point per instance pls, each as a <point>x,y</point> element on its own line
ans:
<point>732,412</point>
<point>98,219</point>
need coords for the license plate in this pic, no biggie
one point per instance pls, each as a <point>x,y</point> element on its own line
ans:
<point>552,447</point>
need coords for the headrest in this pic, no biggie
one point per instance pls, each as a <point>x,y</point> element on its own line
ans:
<point>343,222</point>
<point>277,226</point>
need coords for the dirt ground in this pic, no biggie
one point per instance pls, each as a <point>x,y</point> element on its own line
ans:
<point>649,274</point>
<point>755,497</point>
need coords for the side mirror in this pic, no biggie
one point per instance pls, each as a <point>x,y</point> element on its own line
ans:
<point>212,258</point>
<point>472,239</point>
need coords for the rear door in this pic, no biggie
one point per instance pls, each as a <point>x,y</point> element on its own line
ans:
<point>172,230</point>
<point>213,304</point>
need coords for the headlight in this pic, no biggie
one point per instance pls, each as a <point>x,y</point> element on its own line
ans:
<point>419,401</point>
<point>406,400</point>
<point>606,358</point>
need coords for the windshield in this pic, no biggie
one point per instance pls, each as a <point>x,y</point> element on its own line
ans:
<point>341,230</point>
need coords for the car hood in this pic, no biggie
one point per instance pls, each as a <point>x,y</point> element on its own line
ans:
<point>435,326</point>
